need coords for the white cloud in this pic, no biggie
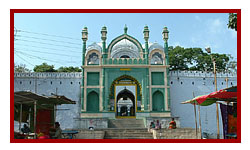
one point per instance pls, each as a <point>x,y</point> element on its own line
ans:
<point>216,26</point>
<point>233,33</point>
<point>198,18</point>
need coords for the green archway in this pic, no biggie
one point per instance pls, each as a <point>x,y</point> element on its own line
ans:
<point>158,101</point>
<point>93,102</point>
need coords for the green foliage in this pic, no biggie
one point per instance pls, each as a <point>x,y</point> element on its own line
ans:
<point>177,58</point>
<point>44,68</point>
<point>69,69</point>
<point>232,21</point>
<point>21,68</point>
<point>195,59</point>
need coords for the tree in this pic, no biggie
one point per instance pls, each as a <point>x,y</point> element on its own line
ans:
<point>231,65</point>
<point>232,21</point>
<point>177,58</point>
<point>195,59</point>
<point>21,68</point>
<point>69,69</point>
<point>44,67</point>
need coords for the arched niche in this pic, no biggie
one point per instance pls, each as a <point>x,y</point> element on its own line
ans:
<point>93,57</point>
<point>157,57</point>
<point>93,102</point>
<point>158,101</point>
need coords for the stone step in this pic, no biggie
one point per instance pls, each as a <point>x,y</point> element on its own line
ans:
<point>128,137</point>
<point>179,133</point>
<point>127,134</point>
<point>121,133</point>
<point>126,123</point>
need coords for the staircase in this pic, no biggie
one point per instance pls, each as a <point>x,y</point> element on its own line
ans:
<point>179,133</point>
<point>126,123</point>
<point>128,134</point>
<point>127,129</point>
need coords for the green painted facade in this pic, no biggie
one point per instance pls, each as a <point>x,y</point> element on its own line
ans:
<point>124,78</point>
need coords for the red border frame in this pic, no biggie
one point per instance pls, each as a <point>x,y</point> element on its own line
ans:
<point>12,11</point>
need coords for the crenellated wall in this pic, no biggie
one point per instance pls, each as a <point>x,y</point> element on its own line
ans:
<point>184,85</point>
<point>79,74</point>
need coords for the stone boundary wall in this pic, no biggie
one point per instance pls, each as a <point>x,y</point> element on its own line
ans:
<point>90,134</point>
<point>79,74</point>
<point>199,74</point>
<point>178,133</point>
<point>49,75</point>
<point>96,123</point>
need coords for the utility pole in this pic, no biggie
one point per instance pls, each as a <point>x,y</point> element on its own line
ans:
<point>208,49</point>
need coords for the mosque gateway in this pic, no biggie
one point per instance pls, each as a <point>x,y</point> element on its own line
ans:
<point>125,78</point>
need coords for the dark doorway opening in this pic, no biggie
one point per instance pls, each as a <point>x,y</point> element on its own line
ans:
<point>125,103</point>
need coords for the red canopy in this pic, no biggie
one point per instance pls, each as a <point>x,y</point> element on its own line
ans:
<point>228,94</point>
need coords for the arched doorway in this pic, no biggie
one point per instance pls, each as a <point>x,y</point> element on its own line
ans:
<point>133,93</point>
<point>158,101</point>
<point>125,103</point>
<point>92,102</point>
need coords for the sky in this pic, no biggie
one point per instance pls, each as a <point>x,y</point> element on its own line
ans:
<point>55,38</point>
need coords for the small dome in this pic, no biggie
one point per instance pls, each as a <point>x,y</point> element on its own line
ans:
<point>155,46</point>
<point>95,46</point>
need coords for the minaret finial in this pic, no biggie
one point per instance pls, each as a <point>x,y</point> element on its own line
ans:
<point>125,29</point>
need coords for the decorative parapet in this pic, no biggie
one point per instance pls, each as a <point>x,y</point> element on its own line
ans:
<point>125,61</point>
<point>49,75</point>
<point>202,74</point>
<point>122,61</point>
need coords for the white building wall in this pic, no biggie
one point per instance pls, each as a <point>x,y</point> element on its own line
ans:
<point>182,86</point>
<point>67,84</point>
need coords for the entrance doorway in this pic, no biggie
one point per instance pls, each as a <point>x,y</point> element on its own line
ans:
<point>125,101</point>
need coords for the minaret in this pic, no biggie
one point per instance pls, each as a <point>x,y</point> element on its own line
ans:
<point>104,38</point>
<point>84,39</point>
<point>165,38</point>
<point>104,59</point>
<point>146,37</point>
<point>145,100</point>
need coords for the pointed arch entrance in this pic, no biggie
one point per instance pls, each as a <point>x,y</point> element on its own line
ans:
<point>125,103</point>
<point>125,95</point>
